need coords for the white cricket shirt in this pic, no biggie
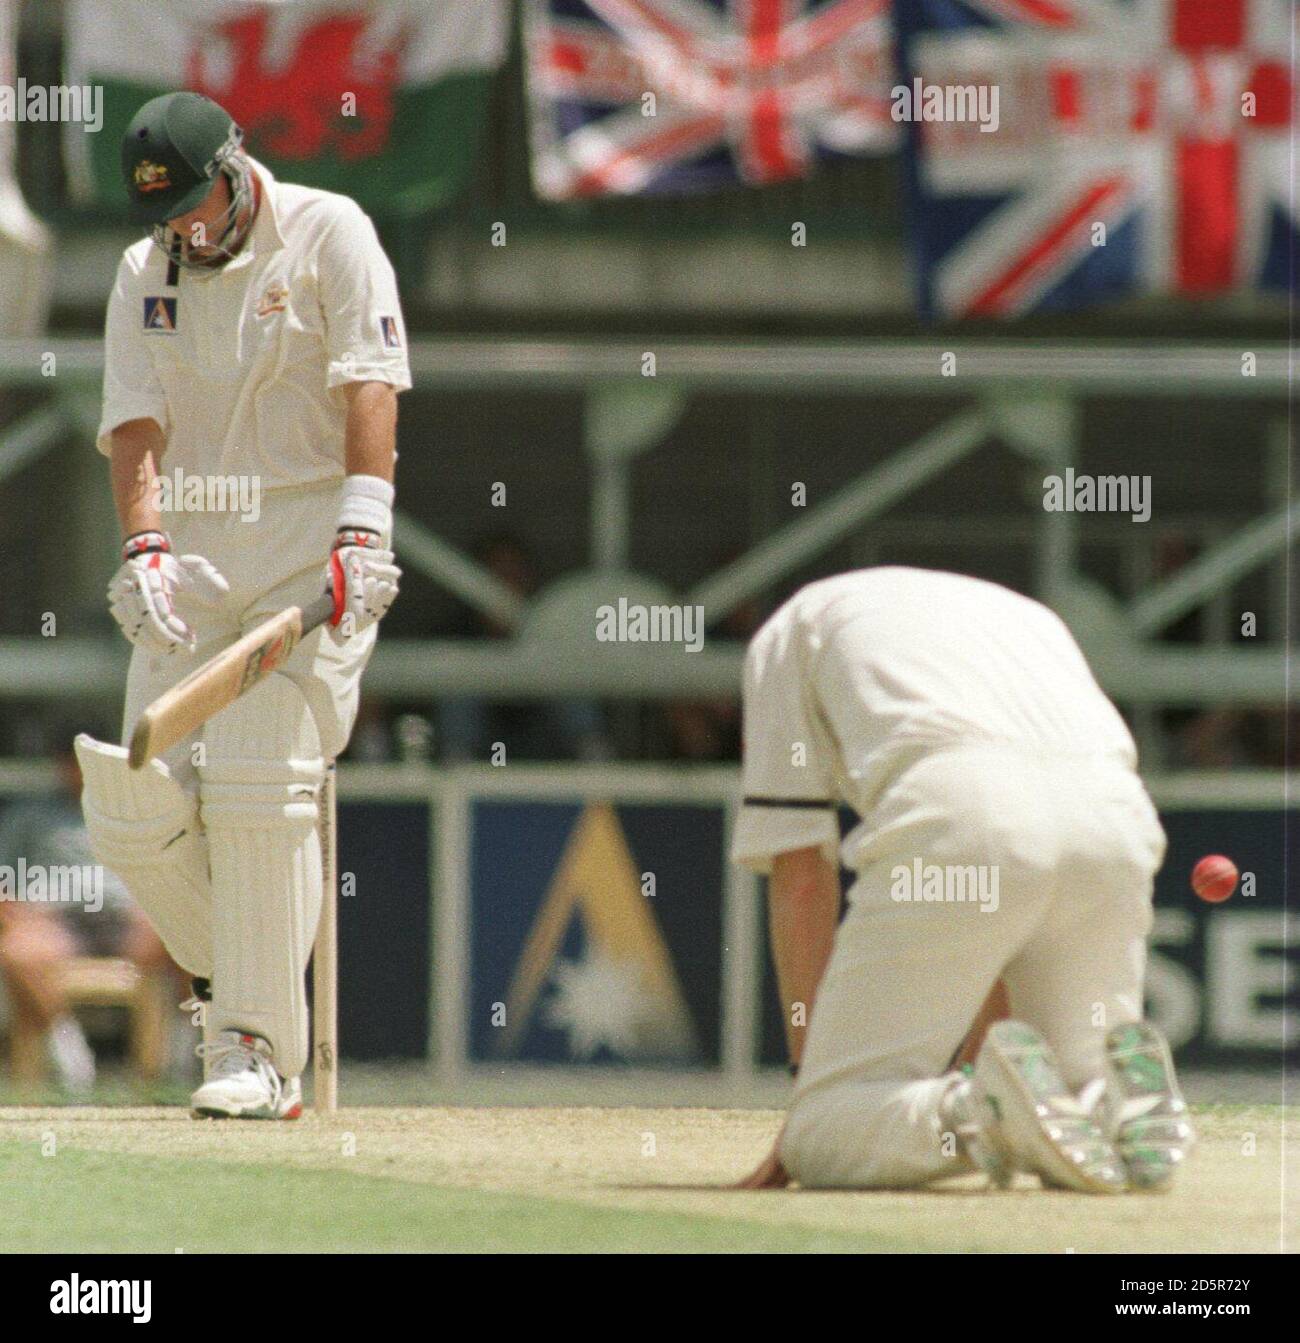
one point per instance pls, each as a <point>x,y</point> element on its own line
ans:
<point>243,366</point>
<point>858,675</point>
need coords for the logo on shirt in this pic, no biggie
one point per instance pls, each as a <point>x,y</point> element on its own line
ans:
<point>160,314</point>
<point>388,329</point>
<point>151,176</point>
<point>274,299</point>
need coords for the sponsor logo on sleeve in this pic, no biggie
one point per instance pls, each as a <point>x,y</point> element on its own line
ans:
<point>391,335</point>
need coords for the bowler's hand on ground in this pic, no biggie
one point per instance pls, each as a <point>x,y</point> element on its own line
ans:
<point>769,1174</point>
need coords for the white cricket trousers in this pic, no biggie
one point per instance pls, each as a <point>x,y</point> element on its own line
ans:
<point>1073,844</point>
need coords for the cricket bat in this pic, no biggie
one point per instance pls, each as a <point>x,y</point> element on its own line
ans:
<point>223,679</point>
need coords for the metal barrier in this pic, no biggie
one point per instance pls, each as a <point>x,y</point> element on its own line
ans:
<point>1023,396</point>
<point>460,892</point>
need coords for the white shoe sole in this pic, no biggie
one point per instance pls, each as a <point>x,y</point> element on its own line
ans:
<point>1031,1116</point>
<point>1153,1131</point>
<point>290,1107</point>
<point>243,1112</point>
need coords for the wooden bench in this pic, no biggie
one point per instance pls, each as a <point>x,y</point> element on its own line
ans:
<point>99,981</point>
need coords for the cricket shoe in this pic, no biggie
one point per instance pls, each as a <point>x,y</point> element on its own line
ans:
<point>959,1114</point>
<point>242,1082</point>
<point>1144,1110</point>
<point>1027,1113</point>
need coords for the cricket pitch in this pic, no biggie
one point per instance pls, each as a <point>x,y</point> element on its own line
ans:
<point>575,1179</point>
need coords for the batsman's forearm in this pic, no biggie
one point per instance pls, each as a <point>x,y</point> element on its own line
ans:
<point>370,436</point>
<point>137,449</point>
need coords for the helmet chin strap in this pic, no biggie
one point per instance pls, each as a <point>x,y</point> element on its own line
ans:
<point>231,228</point>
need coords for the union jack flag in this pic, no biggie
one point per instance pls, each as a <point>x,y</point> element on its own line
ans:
<point>672,96</point>
<point>1143,146</point>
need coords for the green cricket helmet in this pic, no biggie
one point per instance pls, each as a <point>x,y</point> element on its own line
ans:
<point>172,152</point>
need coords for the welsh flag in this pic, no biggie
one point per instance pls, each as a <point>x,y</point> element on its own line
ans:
<point>383,100</point>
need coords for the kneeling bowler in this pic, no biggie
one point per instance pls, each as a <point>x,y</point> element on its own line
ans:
<point>1006,845</point>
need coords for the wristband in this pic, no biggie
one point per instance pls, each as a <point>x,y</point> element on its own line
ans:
<point>367,506</point>
<point>145,543</point>
<point>356,536</point>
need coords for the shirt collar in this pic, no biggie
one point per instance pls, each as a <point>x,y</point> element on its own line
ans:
<point>266,227</point>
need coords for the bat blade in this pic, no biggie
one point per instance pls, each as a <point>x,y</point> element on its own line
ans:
<point>222,680</point>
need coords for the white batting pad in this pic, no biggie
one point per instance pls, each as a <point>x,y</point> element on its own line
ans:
<point>145,827</point>
<point>258,791</point>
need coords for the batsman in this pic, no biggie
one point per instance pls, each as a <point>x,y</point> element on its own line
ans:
<point>253,338</point>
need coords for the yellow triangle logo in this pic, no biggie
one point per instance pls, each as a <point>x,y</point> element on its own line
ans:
<point>626,995</point>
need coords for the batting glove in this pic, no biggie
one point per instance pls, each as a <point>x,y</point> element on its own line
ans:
<point>142,594</point>
<point>361,573</point>
<point>363,579</point>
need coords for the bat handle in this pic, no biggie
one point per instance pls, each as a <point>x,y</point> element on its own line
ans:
<point>317,612</point>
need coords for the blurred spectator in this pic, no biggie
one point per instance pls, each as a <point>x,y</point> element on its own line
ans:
<point>552,729</point>
<point>414,735</point>
<point>1228,738</point>
<point>38,939</point>
<point>707,731</point>
<point>371,742</point>
<point>1213,739</point>
<point>1273,738</point>
<point>703,731</point>
<point>1173,552</point>
<point>1222,737</point>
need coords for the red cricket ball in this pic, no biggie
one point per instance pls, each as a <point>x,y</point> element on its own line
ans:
<point>1214,878</point>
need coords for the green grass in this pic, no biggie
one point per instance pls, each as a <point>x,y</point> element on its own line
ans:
<point>97,1201</point>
